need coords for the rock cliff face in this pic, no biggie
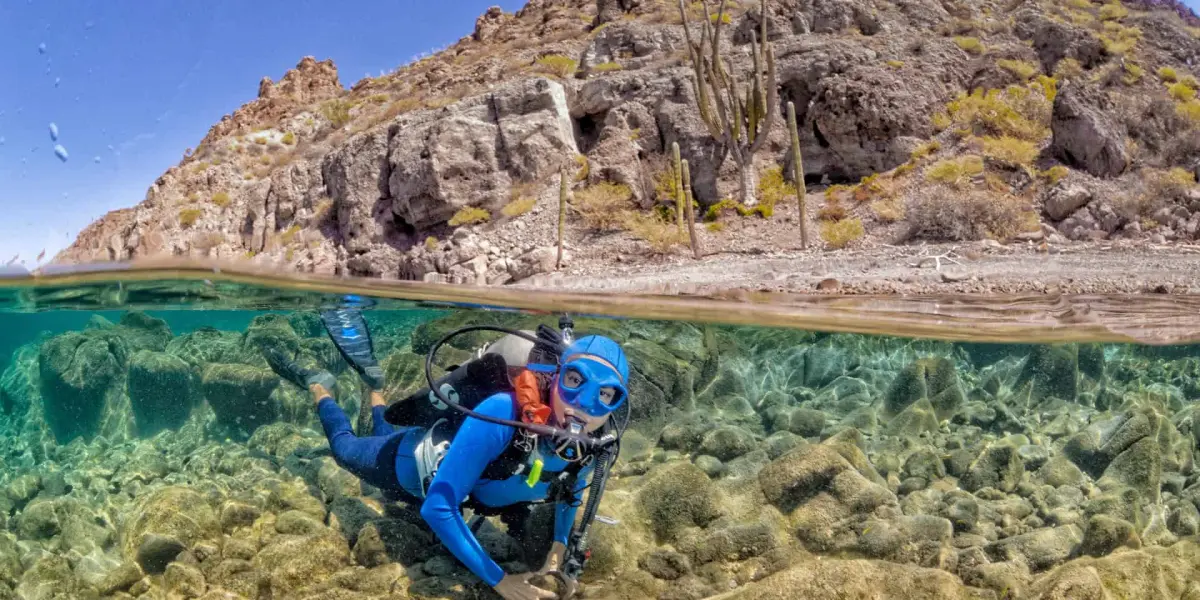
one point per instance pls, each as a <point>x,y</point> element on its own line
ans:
<point>368,181</point>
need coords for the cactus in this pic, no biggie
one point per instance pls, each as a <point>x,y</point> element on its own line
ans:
<point>563,187</point>
<point>691,217</point>
<point>798,175</point>
<point>677,172</point>
<point>738,120</point>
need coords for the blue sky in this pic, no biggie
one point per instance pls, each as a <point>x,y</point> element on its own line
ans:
<point>130,85</point>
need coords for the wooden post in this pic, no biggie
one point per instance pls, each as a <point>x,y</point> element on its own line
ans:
<point>691,216</point>
<point>562,215</point>
<point>798,175</point>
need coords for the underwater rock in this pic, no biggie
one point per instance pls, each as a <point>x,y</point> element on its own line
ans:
<point>160,391</point>
<point>143,332</point>
<point>934,379</point>
<point>184,581</point>
<point>678,496</point>
<point>711,465</point>
<point>1151,572</point>
<point>292,563</point>
<point>240,395</point>
<point>733,543</point>
<point>176,512</point>
<point>1138,467</point>
<point>382,540</point>
<point>998,466</point>
<point>925,464</point>
<point>684,434</point>
<point>1105,534</point>
<point>665,564</point>
<point>404,373</point>
<point>271,331</point>
<point>50,578</point>
<point>1040,549</point>
<point>18,383</point>
<point>71,525</point>
<point>121,578</point>
<point>728,442</point>
<point>836,579</point>
<point>804,422</point>
<point>77,372</point>
<point>1060,471</point>
<point>207,345</point>
<point>916,418</point>
<point>1051,371</point>
<point>156,551</point>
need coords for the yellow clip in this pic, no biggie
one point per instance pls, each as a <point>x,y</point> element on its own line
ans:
<point>535,474</point>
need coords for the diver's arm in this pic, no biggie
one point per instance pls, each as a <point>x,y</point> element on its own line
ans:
<point>475,445</point>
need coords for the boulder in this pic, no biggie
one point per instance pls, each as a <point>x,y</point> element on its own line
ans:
<point>169,515</point>
<point>728,442</point>
<point>160,391</point>
<point>677,497</point>
<point>240,395</point>
<point>292,562</point>
<point>1066,199</point>
<point>835,579</point>
<point>1051,371</point>
<point>1084,135</point>
<point>1040,549</point>
<point>933,378</point>
<point>998,466</point>
<point>77,373</point>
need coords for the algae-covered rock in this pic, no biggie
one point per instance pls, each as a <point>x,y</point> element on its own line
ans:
<point>160,391</point>
<point>1138,467</point>
<point>67,523</point>
<point>1105,534</point>
<point>665,564</point>
<point>998,466</point>
<point>177,513</point>
<point>733,543</point>
<point>77,372</point>
<point>1040,549</point>
<point>1148,573</point>
<point>727,443</point>
<point>836,579</point>
<point>207,345</point>
<point>240,395</point>
<point>292,563</point>
<point>934,379</point>
<point>1051,371</point>
<point>50,578</point>
<point>678,496</point>
<point>393,539</point>
<point>916,418</point>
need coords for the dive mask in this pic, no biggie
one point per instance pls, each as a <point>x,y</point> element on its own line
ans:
<point>590,385</point>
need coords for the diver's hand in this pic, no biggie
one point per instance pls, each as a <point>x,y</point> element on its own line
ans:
<point>554,559</point>
<point>517,587</point>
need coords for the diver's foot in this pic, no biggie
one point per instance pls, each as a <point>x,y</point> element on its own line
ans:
<point>349,332</point>
<point>291,371</point>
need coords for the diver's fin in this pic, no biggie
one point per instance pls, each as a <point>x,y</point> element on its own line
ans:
<point>289,370</point>
<point>349,332</point>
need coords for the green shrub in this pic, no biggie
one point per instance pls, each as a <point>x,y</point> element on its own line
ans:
<point>188,217</point>
<point>969,44</point>
<point>772,189</point>
<point>221,199</point>
<point>955,171</point>
<point>1055,174</point>
<point>889,210</point>
<point>895,64</point>
<point>557,64</point>
<point>603,206</point>
<point>659,234</point>
<point>1168,74</point>
<point>1010,149</point>
<point>585,168</point>
<point>1190,110</point>
<point>926,149</point>
<point>1068,68</point>
<point>1021,68</point>
<point>1133,73</point>
<point>289,236</point>
<point>608,66</point>
<point>1016,111</point>
<point>1118,39</point>
<point>469,215</point>
<point>289,138</point>
<point>839,234</point>
<point>519,206</point>
<point>1182,92</point>
<point>1113,11</point>
<point>715,227</point>
<point>431,244</point>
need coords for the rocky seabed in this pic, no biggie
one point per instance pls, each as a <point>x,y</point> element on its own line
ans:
<point>761,464</point>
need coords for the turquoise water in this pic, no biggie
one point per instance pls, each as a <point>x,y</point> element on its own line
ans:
<point>147,451</point>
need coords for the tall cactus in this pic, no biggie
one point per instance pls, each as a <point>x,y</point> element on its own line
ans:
<point>798,175</point>
<point>739,120</point>
<point>691,217</point>
<point>563,187</point>
<point>677,173</point>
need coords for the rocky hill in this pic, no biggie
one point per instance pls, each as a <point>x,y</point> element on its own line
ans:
<point>917,120</point>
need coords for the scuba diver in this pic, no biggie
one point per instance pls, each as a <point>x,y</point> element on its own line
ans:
<point>526,421</point>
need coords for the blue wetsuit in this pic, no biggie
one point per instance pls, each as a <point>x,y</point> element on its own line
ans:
<point>386,461</point>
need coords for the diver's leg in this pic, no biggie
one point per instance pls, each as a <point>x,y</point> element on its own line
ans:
<point>372,459</point>
<point>379,425</point>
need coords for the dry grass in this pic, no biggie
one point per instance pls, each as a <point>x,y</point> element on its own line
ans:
<point>1055,174</point>
<point>557,64</point>
<point>519,206</point>
<point>969,44</point>
<point>606,67</point>
<point>772,189</point>
<point>895,64</point>
<point>584,167</point>
<point>1169,185</point>
<point>289,138</point>
<point>1113,11</point>
<point>1021,68</point>
<point>926,149</point>
<point>946,215</point>
<point>955,171</point>
<point>1118,39</point>
<point>1009,149</point>
<point>1168,74</point>
<point>469,215</point>
<point>603,206</point>
<point>1068,68</point>
<point>289,236</point>
<point>888,210</point>
<point>337,111</point>
<point>660,235</point>
<point>1190,110</point>
<point>1016,111</point>
<point>839,234</point>
<point>431,244</point>
<point>221,199</point>
<point>188,217</point>
<point>1181,91</point>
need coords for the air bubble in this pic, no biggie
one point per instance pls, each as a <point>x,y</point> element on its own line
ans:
<point>42,48</point>
<point>89,25</point>
<point>1,140</point>
<point>57,80</point>
<point>61,152</point>
<point>96,160</point>
<point>53,132</point>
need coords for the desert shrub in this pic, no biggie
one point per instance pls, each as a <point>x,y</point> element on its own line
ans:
<point>1169,185</point>
<point>401,106</point>
<point>1168,74</point>
<point>715,227</point>
<point>519,206</point>
<point>1138,207</point>
<point>207,240</point>
<point>926,149</point>
<point>1055,174</point>
<point>289,236</point>
<point>265,159</point>
<point>337,111</point>
<point>1132,73</point>
<point>949,215</point>
<point>955,171</point>
<point>584,167</point>
<point>1181,91</point>
<point>772,189</point>
<point>839,234</point>
<point>469,215</point>
<point>379,98</point>
<point>1021,68</point>
<point>1190,110</point>
<point>1009,149</point>
<point>608,66</point>
<point>1015,111</point>
<point>1113,11</point>
<point>1068,68</point>
<point>725,18</point>
<point>557,64</point>
<point>188,217</point>
<point>664,184</point>
<point>260,140</point>
<point>832,209</point>
<point>603,206</point>
<point>659,234</point>
<point>888,210</point>
<point>969,44</point>
<point>221,199</point>
<point>1118,39</point>
<point>289,138</point>
<point>895,64</point>
<point>869,187</point>
<point>1048,86</point>
<point>1080,4</point>
<point>431,244</point>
